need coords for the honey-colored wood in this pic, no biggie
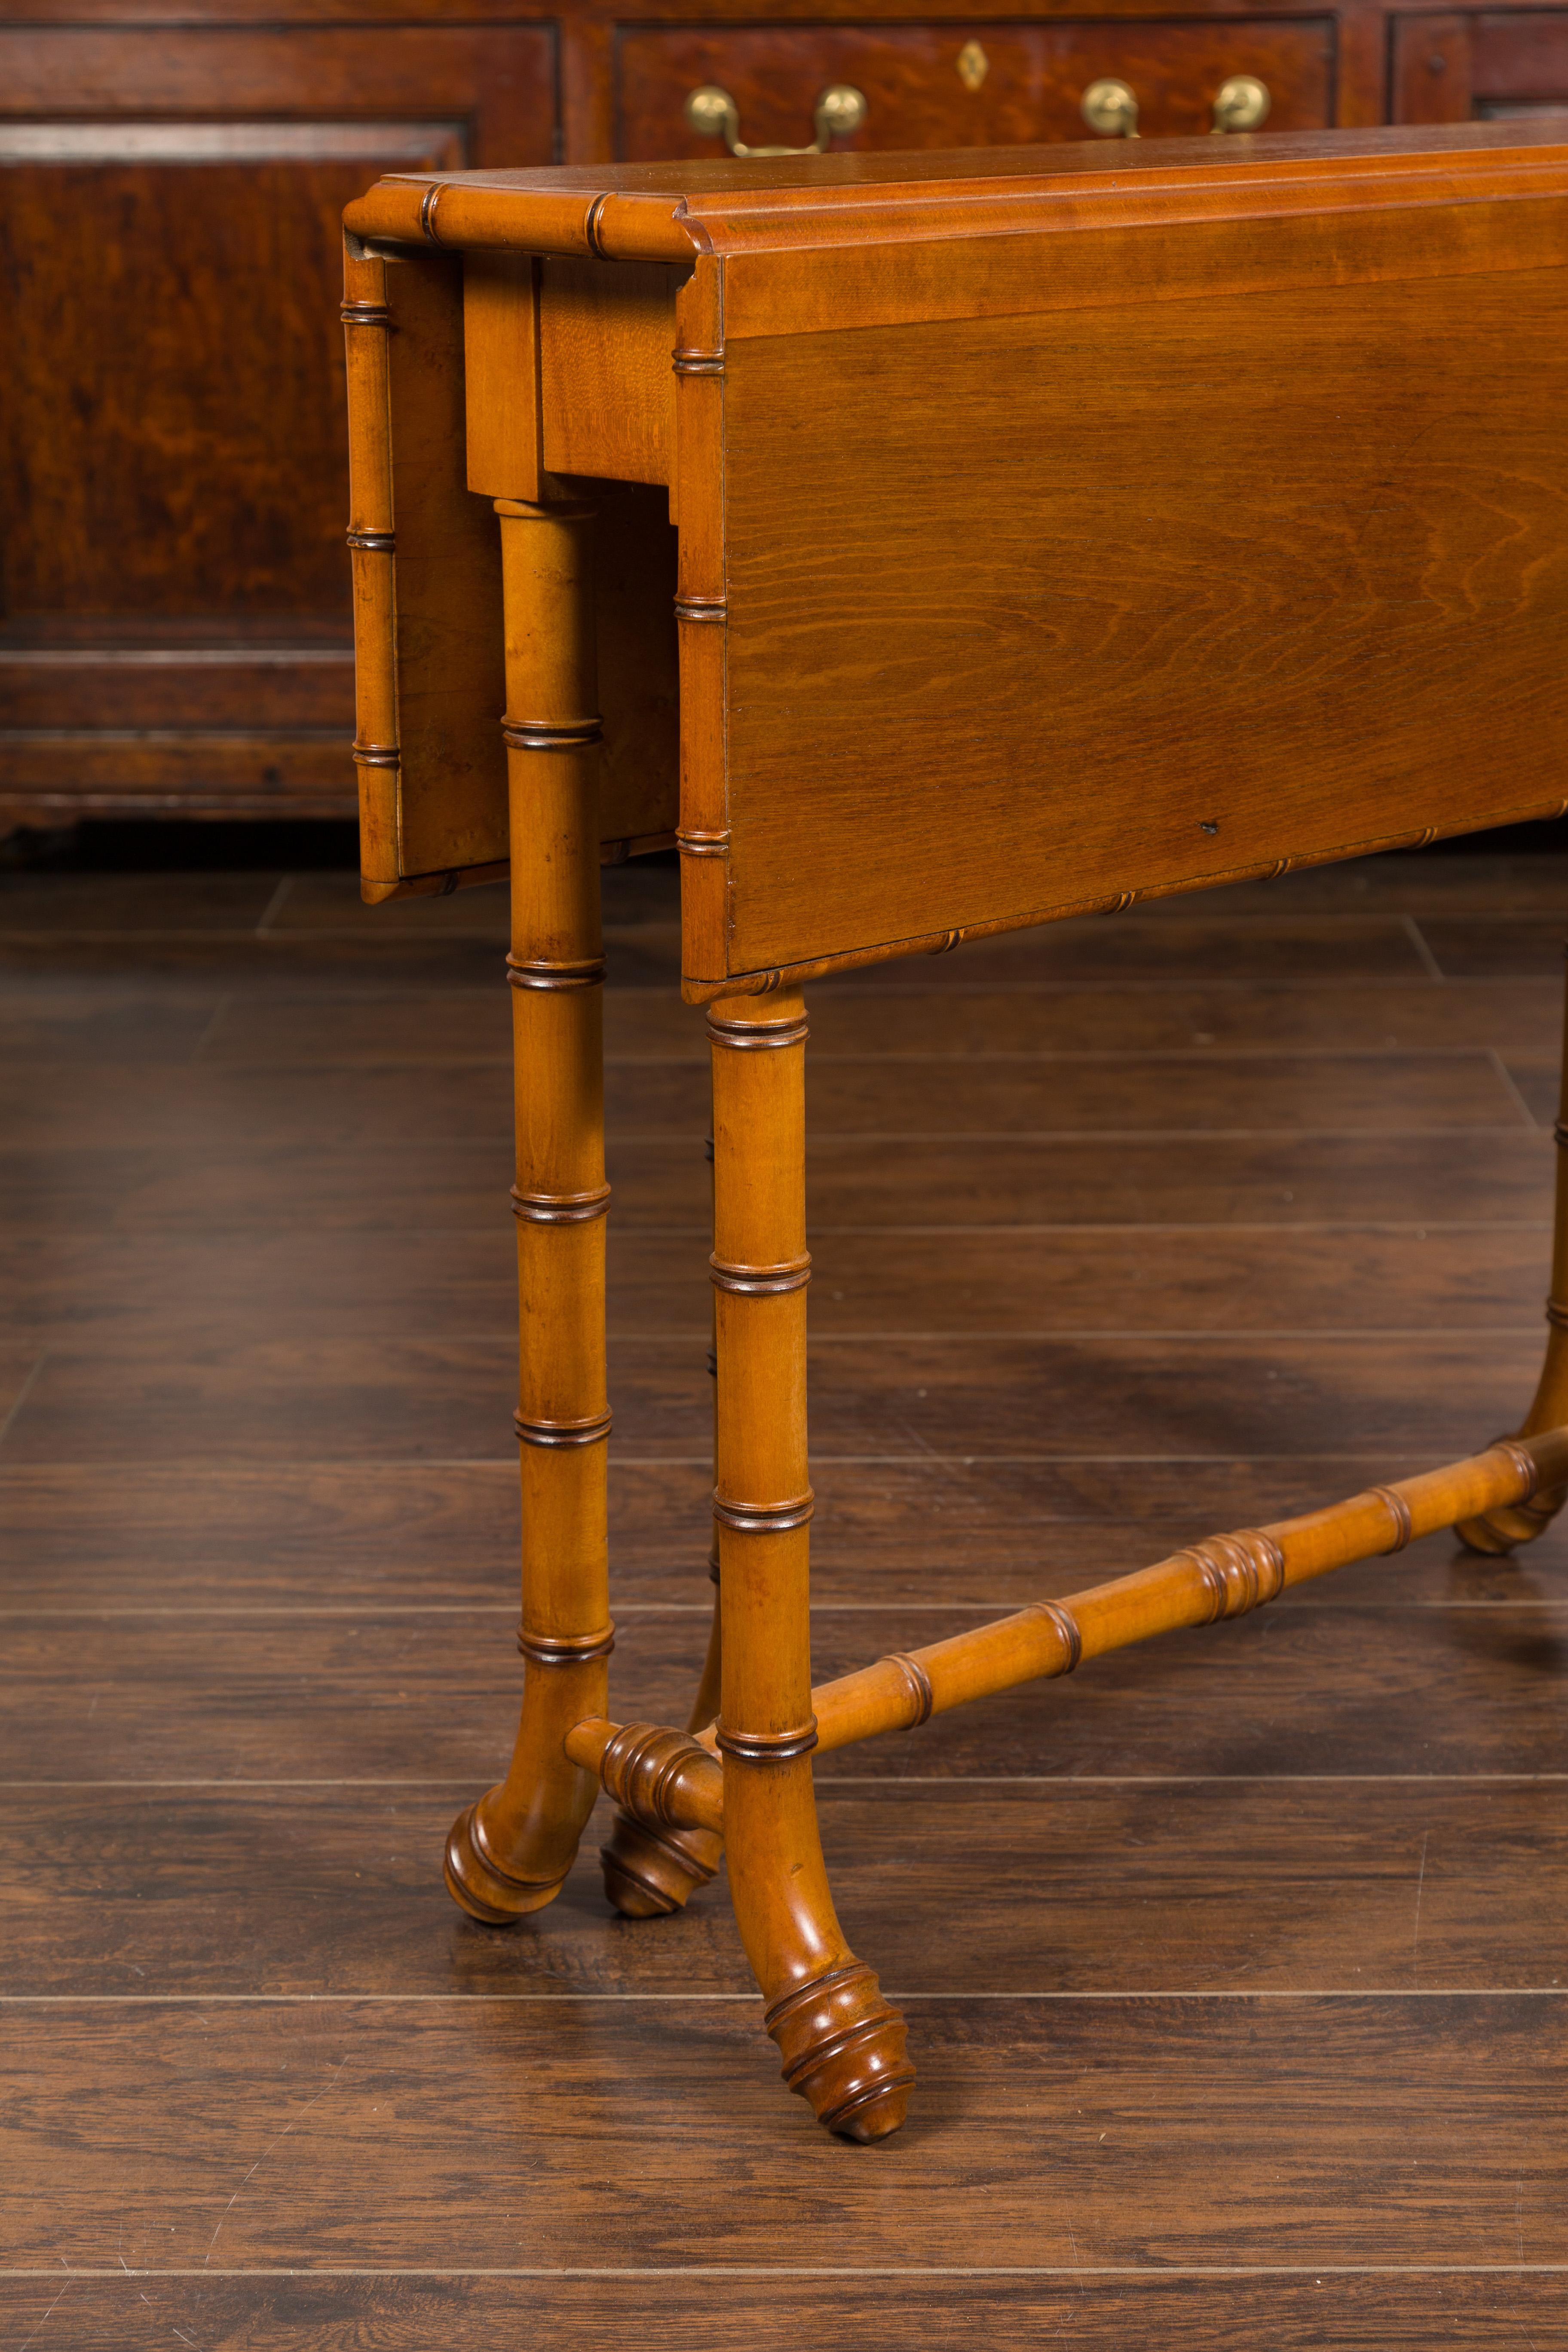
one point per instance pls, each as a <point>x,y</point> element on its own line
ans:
<point>509,1853</point>
<point>1317,681</point>
<point>842,2044</point>
<point>653,1862</point>
<point>607,393</point>
<point>1225,1575</point>
<point>500,375</point>
<point>990,609</point>
<point>425,331</point>
<point>702,616</point>
<point>1237,679</point>
<point>427,603</point>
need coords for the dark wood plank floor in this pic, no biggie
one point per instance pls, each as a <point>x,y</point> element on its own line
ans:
<point>1235,1968</point>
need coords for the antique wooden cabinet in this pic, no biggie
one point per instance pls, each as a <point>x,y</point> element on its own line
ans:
<point>175,622</point>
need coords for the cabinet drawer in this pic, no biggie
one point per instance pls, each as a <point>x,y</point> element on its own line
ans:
<point>963,85</point>
<point>1520,62</point>
<point>174,468</point>
<point>1486,67</point>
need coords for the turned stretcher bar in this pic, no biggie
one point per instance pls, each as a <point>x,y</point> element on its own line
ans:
<point>668,1779</point>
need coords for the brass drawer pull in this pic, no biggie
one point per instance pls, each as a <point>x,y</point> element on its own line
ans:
<point>712,114</point>
<point>1242,103</point>
<point>1111,109</point>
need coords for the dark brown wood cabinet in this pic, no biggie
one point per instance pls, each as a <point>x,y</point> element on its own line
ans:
<point>173,585</point>
<point>988,83</point>
<point>175,631</point>
<point>1481,66</point>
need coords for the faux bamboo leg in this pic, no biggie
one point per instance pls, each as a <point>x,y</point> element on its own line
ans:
<point>842,2045</point>
<point>710,1690</point>
<point>652,1869</point>
<point>509,1853</point>
<point>1501,1530</point>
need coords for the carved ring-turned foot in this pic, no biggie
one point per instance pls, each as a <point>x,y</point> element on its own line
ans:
<point>844,2050</point>
<point>477,1883</point>
<point>652,1864</point>
<point>649,1873</point>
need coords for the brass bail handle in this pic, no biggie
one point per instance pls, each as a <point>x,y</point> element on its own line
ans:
<point>1111,109</point>
<point>1242,103</point>
<point>840,111</point>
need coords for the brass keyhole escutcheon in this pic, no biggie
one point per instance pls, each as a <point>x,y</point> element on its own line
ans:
<point>974,65</point>
<point>1111,109</point>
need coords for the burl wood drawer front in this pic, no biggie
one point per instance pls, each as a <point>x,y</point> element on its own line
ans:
<point>961,85</point>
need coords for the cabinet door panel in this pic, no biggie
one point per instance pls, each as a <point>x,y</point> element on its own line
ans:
<point>925,89</point>
<point>172,443</point>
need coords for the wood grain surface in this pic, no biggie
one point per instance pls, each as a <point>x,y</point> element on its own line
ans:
<point>175,463</point>
<point>1263,648</point>
<point>1280,1908</point>
<point>1035,78</point>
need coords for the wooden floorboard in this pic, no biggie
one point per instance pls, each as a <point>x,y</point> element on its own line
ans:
<point>441,1026</point>
<point>158,1538</point>
<point>1067,1393</point>
<point>1455,1176</point>
<point>1235,1884</point>
<point>713,2310</point>
<point>145,1292</point>
<point>490,2132</point>
<point>1234,1964</point>
<point>398,1695</point>
<point>376,1109</point>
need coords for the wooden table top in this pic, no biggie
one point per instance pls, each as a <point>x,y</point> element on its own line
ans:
<point>1049,528</point>
<point>651,211</point>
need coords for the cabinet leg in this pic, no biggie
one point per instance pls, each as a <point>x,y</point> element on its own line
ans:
<point>842,2044</point>
<point>1503,1530</point>
<point>649,1874</point>
<point>509,1853</point>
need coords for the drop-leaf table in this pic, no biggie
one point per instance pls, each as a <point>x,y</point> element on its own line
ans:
<point>927,546</point>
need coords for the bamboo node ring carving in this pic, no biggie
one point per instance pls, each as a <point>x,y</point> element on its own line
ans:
<point>760,1281</point>
<point>1512,1451</point>
<point>565,1649</point>
<point>560,1208</point>
<point>1398,1510</point>
<point>588,1431</point>
<point>923,1698</point>
<point>767,1746</point>
<point>588,971</point>
<point>757,1036</point>
<point>1067,1625</point>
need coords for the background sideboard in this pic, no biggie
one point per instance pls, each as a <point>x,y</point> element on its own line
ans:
<point>173,585</point>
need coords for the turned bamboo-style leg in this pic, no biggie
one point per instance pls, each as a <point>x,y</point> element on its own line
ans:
<point>651,1870</point>
<point>710,1690</point>
<point>509,1853</point>
<point>842,2044</point>
<point>1501,1530</point>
